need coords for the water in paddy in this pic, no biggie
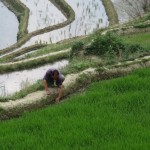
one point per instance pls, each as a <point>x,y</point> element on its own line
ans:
<point>42,14</point>
<point>8,27</point>
<point>15,81</point>
<point>90,16</point>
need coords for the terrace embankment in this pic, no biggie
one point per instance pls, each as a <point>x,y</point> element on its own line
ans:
<point>72,83</point>
<point>129,29</point>
<point>10,56</point>
<point>111,12</point>
<point>33,62</point>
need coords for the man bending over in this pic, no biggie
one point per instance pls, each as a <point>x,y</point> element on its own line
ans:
<point>52,78</point>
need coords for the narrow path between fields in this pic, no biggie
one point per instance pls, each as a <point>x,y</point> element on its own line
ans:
<point>35,58</point>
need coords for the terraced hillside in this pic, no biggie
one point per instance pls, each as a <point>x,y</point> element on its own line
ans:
<point>12,54</point>
<point>22,56</point>
<point>96,110</point>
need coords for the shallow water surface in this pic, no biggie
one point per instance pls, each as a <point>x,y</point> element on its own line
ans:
<point>90,16</point>
<point>8,27</point>
<point>42,14</point>
<point>15,81</point>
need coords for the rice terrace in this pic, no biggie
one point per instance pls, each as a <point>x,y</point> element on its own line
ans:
<point>102,51</point>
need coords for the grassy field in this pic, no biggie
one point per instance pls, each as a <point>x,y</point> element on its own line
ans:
<point>110,114</point>
<point>60,46</point>
<point>141,38</point>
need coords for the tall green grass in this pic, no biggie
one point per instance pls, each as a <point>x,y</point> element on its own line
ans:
<point>140,38</point>
<point>112,114</point>
<point>60,46</point>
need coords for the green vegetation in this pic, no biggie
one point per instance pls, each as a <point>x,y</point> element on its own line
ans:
<point>142,26</point>
<point>111,45</point>
<point>140,38</point>
<point>103,44</point>
<point>33,63</point>
<point>112,114</point>
<point>76,49</point>
<point>79,64</point>
<point>75,65</point>
<point>48,49</point>
<point>82,62</point>
<point>40,61</point>
<point>109,115</point>
<point>11,56</point>
<point>59,46</point>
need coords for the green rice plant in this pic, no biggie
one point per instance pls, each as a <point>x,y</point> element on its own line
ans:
<point>112,114</point>
<point>80,64</point>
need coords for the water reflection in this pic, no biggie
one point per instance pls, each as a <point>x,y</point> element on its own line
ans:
<point>13,82</point>
<point>90,16</point>
<point>8,27</point>
<point>42,14</point>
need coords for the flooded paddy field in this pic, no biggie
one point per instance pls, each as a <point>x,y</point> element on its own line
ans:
<point>8,27</point>
<point>15,81</point>
<point>90,16</point>
<point>42,14</point>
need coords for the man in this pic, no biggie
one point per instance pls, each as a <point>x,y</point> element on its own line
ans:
<point>53,78</point>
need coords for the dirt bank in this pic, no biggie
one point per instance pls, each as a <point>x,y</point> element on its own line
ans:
<point>72,83</point>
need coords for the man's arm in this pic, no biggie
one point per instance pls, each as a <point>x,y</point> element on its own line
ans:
<point>59,93</point>
<point>46,87</point>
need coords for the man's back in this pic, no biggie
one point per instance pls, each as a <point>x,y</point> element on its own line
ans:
<point>49,77</point>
